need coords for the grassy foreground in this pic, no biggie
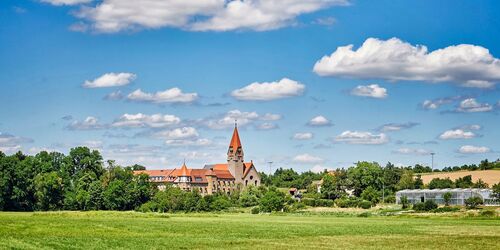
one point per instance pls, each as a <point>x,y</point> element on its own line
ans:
<point>130,230</point>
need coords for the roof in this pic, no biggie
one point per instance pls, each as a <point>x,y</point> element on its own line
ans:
<point>184,170</point>
<point>235,140</point>
<point>248,166</point>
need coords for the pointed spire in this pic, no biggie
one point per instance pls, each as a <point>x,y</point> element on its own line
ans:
<point>184,170</point>
<point>235,140</point>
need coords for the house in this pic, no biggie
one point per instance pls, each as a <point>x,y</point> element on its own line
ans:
<point>212,178</point>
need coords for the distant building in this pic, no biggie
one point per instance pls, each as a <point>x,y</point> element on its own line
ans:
<point>458,195</point>
<point>212,178</point>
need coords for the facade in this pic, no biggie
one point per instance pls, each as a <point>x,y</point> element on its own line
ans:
<point>458,195</point>
<point>212,178</point>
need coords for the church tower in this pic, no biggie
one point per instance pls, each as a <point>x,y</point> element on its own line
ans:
<point>235,156</point>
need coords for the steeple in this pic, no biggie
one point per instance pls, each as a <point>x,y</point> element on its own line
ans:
<point>235,151</point>
<point>184,169</point>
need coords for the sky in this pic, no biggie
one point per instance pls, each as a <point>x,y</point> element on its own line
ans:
<point>313,85</point>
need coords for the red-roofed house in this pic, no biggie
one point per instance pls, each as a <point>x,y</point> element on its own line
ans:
<point>212,178</point>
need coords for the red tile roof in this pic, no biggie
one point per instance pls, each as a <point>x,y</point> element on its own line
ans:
<point>235,140</point>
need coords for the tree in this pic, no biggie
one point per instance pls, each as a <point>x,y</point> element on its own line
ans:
<point>496,191</point>
<point>404,202</point>
<point>48,191</point>
<point>447,198</point>
<point>365,174</point>
<point>464,182</point>
<point>136,167</point>
<point>419,184</point>
<point>438,183</point>
<point>273,200</point>
<point>473,202</point>
<point>480,184</point>
<point>406,181</point>
<point>370,194</point>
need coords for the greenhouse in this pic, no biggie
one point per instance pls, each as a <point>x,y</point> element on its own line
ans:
<point>458,195</point>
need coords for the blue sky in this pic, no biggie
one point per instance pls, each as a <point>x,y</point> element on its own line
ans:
<point>420,77</point>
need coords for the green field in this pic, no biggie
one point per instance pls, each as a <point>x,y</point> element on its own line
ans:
<point>103,230</point>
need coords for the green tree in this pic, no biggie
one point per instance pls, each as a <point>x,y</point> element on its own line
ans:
<point>48,191</point>
<point>406,181</point>
<point>473,202</point>
<point>447,198</point>
<point>438,183</point>
<point>480,184</point>
<point>496,191</point>
<point>404,201</point>
<point>273,200</point>
<point>365,174</point>
<point>370,194</point>
<point>464,182</point>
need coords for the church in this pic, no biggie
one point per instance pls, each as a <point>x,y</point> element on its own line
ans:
<point>212,178</point>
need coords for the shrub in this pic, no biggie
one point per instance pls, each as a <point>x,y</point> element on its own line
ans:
<point>324,203</point>
<point>365,214</point>
<point>365,204</point>
<point>488,213</point>
<point>255,210</point>
<point>390,199</point>
<point>370,194</point>
<point>404,202</point>
<point>149,206</point>
<point>473,202</point>
<point>308,202</point>
<point>446,209</point>
<point>419,207</point>
<point>273,200</point>
<point>430,205</point>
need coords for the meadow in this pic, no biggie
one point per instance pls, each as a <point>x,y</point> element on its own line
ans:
<point>132,230</point>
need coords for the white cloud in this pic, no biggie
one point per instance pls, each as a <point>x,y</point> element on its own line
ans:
<point>266,126</point>
<point>471,127</point>
<point>11,140</point>
<point>116,95</point>
<point>111,16</point>
<point>173,95</point>
<point>372,90</point>
<point>267,91</point>
<point>319,121</point>
<point>389,127</point>
<point>93,144</point>
<point>243,118</point>
<point>303,136</point>
<point>469,149</point>
<point>65,2</point>
<point>436,103</point>
<point>325,21</point>
<point>307,158</point>
<point>357,137</point>
<point>140,120</point>
<point>177,134</point>
<point>10,149</point>
<point>470,105</point>
<point>411,151</point>
<point>110,80</point>
<point>393,59</point>
<point>457,134</point>
<point>90,123</point>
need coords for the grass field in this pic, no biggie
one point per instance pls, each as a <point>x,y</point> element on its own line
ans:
<point>489,176</point>
<point>126,230</point>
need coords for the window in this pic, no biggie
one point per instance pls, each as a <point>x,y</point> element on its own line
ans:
<point>246,182</point>
<point>255,182</point>
<point>197,178</point>
<point>251,177</point>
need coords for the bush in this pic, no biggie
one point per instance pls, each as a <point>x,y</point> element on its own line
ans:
<point>370,194</point>
<point>149,206</point>
<point>430,205</point>
<point>365,204</point>
<point>404,202</point>
<point>273,200</point>
<point>488,213</point>
<point>390,199</point>
<point>419,207</point>
<point>255,210</point>
<point>308,202</point>
<point>347,202</point>
<point>446,209</point>
<point>324,203</point>
<point>365,214</point>
<point>473,202</point>
<point>447,198</point>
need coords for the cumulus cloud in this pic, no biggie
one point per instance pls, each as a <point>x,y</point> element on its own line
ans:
<point>228,119</point>
<point>319,121</point>
<point>11,140</point>
<point>173,95</point>
<point>393,59</point>
<point>372,90</point>
<point>140,120</point>
<point>303,136</point>
<point>470,149</point>
<point>389,127</point>
<point>90,123</point>
<point>65,2</point>
<point>109,16</point>
<point>470,105</point>
<point>307,158</point>
<point>457,134</point>
<point>358,137</point>
<point>110,80</point>
<point>267,91</point>
<point>177,134</point>
<point>411,151</point>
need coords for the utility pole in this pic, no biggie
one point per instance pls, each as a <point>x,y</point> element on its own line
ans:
<point>432,161</point>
